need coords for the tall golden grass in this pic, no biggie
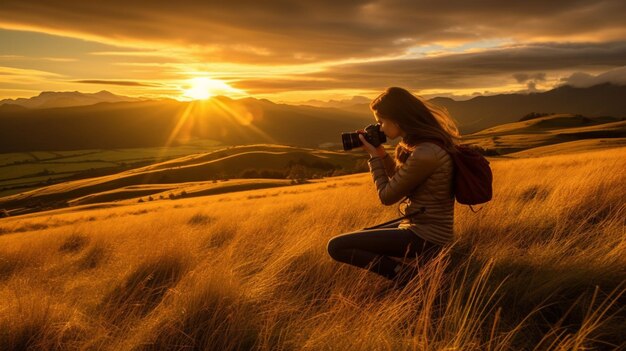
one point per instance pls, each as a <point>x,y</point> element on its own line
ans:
<point>542,266</point>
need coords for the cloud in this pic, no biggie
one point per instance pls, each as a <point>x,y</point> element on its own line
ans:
<point>491,68</point>
<point>288,32</point>
<point>115,82</point>
<point>13,77</point>
<point>582,80</point>
<point>531,80</point>
<point>12,71</point>
<point>25,58</point>
<point>292,47</point>
<point>525,77</point>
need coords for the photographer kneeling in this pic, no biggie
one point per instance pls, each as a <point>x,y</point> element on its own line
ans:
<point>422,172</point>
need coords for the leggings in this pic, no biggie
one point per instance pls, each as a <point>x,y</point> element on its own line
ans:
<point>370,249</point>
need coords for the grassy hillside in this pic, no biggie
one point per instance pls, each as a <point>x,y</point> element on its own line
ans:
<point>576,146</point>
<point>252,161</point>
<point>23,171</point>
<point>541,266</point>
<point>556,129</point>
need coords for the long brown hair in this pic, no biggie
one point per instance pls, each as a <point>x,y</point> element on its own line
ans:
<point>418,118</point>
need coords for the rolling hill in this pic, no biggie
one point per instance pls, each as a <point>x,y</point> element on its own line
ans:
<point>192,175</point>
<point>552,130</point>
<point>266,165</point>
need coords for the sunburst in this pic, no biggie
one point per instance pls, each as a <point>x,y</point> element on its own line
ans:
<point>202,88</point>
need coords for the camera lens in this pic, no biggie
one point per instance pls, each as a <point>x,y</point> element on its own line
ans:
<point>350,141</point>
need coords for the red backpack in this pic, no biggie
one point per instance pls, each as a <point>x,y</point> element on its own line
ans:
<point>472,176</point>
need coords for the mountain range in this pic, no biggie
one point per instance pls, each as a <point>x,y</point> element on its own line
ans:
<point>53,99</point>
<point>170,122</point>
<point>125,124</point>
<point>487,111</point>
<point>347,103</point>
<point>483,112</point>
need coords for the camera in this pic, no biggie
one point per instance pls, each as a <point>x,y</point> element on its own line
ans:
<point>373,135</point>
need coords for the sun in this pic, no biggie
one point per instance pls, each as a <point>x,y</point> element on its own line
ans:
<point>203,88</point>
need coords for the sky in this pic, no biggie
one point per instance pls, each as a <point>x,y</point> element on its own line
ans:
<point>297,51</point>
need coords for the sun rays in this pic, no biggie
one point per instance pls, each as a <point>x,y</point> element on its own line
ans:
<point>203,115</point>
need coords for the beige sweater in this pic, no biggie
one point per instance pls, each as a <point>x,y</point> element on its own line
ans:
<point>428,170</point>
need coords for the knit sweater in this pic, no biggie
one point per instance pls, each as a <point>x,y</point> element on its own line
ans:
<point>426,178</point>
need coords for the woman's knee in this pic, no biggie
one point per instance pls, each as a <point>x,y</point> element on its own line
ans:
<point>334,246</point>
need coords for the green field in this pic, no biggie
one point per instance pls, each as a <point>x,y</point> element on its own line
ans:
<point>27,170</point>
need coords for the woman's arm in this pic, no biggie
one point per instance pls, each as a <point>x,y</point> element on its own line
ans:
<point>390,165</point>
<point>418,167</point>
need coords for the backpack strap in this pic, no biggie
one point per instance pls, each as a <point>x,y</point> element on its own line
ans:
<point>420,211</point>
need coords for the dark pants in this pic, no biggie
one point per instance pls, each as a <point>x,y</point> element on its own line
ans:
<point>370,249</point>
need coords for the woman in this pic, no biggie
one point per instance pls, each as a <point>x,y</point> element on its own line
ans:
<point>422,172</point>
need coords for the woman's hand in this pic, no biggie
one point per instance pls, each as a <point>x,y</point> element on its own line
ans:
<point>369,148</point>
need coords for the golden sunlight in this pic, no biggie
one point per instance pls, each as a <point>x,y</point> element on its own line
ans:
<point>203,88</point>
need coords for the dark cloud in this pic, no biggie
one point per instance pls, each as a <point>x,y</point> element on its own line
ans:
<point>115,82</point>
<point>488,68</point>
<point>281,31</point>
<point>525,77</point>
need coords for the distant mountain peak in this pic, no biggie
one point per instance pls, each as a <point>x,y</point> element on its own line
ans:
<point>52,99</point>
<point>354,100</point>
<point>441,98</point>
<point>104,93</point>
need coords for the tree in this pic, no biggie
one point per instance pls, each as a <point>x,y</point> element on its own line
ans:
<point>297,173</point>
<point>250,173</point>
<point>274,174</point>
<point>361,166</point>
<point>324,165</point>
